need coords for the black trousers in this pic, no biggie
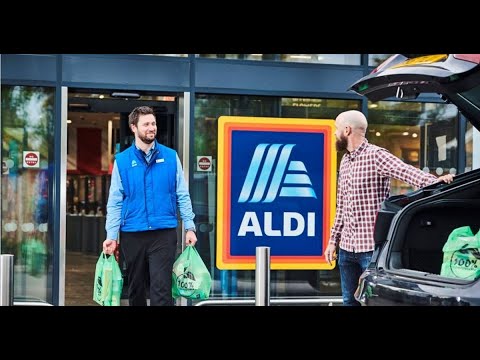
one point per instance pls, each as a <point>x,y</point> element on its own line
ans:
<point>149,255</point>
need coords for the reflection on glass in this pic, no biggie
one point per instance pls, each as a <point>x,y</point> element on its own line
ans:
<point>27,148</point>
<point>270,57</point>
<point>421,134</point>
<point>208,108</point>
<point>340,59</point>
<point>377,59</point>
<point>469,135</point>
<point>174,55</point>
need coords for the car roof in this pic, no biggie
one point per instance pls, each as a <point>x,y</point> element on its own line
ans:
<point>456,77</point>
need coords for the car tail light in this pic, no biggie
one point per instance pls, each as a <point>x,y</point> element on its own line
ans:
<point>475,58</point>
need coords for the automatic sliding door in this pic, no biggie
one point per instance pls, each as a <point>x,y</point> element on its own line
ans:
<point>26,188</point>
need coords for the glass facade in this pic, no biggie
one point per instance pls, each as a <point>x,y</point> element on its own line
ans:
<point>339,59</point>
<point>27,177</point>
<point>469,146</point>
<point>208,108</point>
<point>173,55</point>
<point>421,134</point>
<point>377,59</point>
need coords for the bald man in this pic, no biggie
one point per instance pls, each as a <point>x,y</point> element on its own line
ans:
<point>363,184</point>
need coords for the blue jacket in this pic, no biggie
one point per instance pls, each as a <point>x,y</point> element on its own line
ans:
<point>150,199</point>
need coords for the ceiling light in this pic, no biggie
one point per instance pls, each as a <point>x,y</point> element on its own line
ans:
<point>125,95</point>
<point>304,57</point>
<point>79,105</point>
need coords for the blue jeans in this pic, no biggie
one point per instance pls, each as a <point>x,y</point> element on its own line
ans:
<point>351,266</point>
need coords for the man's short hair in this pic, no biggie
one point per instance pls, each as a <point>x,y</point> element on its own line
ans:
<point>135,114</point>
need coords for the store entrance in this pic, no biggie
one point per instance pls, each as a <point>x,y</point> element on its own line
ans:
<point>97,130</point>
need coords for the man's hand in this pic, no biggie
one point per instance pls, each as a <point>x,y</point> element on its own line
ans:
<point>446,178</point>
<point>190,238</point>
<point>109,246</point>
<point>331,253</point>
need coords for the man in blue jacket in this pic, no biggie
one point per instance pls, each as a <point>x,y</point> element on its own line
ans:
<point>146,188</point>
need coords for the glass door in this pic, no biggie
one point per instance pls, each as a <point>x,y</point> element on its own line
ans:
<point>97,130</point>
<point>27,115</point>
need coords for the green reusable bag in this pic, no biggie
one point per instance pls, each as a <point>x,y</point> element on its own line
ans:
<point>108,282</point>
<point>34,253</point>
<point>190,276</point>
<point>461,254</point>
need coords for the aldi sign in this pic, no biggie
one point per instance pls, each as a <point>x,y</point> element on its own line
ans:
<point>276,188</point>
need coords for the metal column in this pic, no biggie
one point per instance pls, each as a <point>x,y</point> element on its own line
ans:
<point>262,276</point>
<point>6,280</point>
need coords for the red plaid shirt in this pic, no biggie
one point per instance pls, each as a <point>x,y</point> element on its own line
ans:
<point>363,184</point>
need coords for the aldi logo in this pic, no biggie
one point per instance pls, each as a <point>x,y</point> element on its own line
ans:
<point>276,188</point>
<point>267,169</point>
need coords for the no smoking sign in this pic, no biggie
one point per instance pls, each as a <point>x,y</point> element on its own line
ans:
<point>31,159</point>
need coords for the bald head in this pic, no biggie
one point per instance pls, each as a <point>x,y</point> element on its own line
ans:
<point>355,119</point>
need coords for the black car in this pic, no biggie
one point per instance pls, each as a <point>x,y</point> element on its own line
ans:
<point>411,229</point>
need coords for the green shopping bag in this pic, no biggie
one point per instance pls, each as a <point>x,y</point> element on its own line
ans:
<point>108,282</point>
<point>190,276</point>
<point>34,253</point>
<point>461,254</point>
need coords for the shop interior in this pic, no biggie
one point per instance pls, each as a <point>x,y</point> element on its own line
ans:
<point>97,130</point>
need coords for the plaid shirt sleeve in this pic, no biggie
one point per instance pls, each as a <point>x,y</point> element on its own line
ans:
<point>390,166</point>
<point>336,231</point>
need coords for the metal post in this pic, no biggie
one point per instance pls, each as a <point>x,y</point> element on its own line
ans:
<point>6,280</point>
<point>262,276</point>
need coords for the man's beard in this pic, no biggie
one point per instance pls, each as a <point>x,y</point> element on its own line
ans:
<point>146,140</point>
<point>341,144</point>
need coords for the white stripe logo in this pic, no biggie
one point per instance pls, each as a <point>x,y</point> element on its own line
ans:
<point>296,174</point>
